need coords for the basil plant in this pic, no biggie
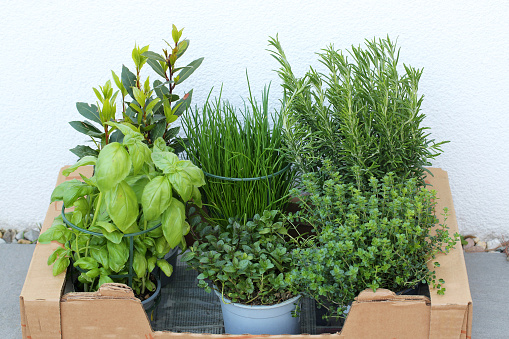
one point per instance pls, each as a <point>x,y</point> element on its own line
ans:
<point>134,188</point>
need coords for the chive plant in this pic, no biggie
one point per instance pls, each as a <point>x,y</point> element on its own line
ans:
<point>239,151</point>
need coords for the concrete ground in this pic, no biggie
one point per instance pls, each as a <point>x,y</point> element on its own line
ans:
<point>488,275</point>
<point>14,262</point>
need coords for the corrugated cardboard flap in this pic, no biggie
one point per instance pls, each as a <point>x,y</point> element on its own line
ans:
<point>40,296</point>
<point>113,311</point>
<point>451,313</point>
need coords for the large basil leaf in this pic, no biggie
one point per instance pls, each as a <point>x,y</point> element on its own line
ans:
<point>160,145</point>
<point>113,165</point>
<point>151,263</point>
<point>139,264</point>
<point>109,231</point>
<point>140,153</point>
<point>73,192</point>
<point>122,205</point>
<point>162,247</point>
<point>60,265</point>
<point>57,232</point>
<point>86,263</point>
<point>59,191</point>
<point>138,185</point>
<point>104,279</point>
<point>165,161</point>
<point>182,184</point>
<point>195,174</point>
<point>156,197</point>
<point>197,197</point>
<point>173,222</point>
<point>118,254</point>
<point>100,253</point>
<point>88,160</point>
<point>165,267</point>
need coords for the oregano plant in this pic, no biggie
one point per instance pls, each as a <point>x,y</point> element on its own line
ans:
<point>134,188</point>
<point>246,261</point>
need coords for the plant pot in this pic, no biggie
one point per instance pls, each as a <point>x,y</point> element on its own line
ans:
<point>273,319</point>
<point>150,304</point>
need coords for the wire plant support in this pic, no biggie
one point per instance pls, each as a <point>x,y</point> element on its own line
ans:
<point>131,236</point>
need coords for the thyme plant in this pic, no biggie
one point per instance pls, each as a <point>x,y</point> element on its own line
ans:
<point>380,237</point>
<point>362,111</point>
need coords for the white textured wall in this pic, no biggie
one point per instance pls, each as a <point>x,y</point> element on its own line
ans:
<point>53,53</point>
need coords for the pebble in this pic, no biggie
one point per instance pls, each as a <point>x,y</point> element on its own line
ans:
<point>470,243</point>
<point>481,244</point>
<point>19,235</point>
<point>493,244</point>
<point>31,234</point>
<point>476,240</point>
<point>9,236</point>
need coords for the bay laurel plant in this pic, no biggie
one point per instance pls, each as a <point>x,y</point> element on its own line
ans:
<point>362,110</point>
<point>247,262</point>
<point>381,237</point>
<point>134,188</point>
<point>234,145</point>
<point>150,107</point>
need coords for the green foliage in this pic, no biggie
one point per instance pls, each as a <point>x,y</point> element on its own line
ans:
<point>119,200</point>
<point>359,113</point>
<point>246,262</point>
<point>151,109</point>
<point>240,144</point>
<point>377,238</point>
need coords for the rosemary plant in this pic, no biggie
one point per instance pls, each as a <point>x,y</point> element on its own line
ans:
<point>234,145</point>
<point>362,113</point>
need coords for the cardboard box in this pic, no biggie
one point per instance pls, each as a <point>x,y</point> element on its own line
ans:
<point>114,312</point>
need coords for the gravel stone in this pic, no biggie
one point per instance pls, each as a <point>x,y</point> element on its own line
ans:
<point>481,244</point>
<point>470,243</point>
<point>19,235</point>
<point>493,244</point>
<point>9,236</point>
<point>24,241</point>
<point>2,241</point>
<point>32,234</point>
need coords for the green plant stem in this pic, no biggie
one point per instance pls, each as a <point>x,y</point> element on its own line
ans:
<point>98,209</point>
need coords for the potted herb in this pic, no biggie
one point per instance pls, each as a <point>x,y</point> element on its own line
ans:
<point>152,109</point>
<point>380,237</point>
<point>240,153</point>
<point>360,112</point>
<point>246,264</point>
<point>125,217</point>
